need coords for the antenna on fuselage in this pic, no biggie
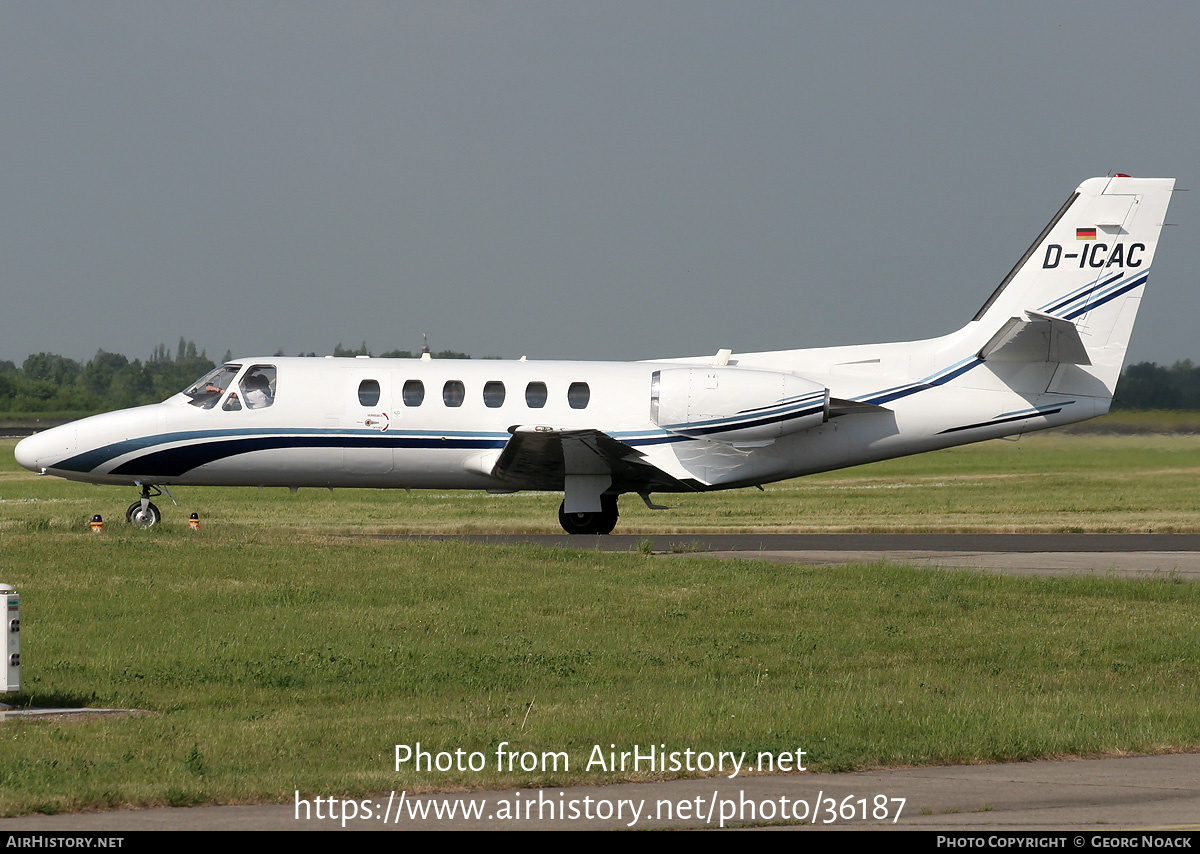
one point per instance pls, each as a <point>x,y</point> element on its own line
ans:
<point>425,354</point>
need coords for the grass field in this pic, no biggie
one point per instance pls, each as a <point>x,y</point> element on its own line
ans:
<point>272,653</point>
<point>1044,482</point>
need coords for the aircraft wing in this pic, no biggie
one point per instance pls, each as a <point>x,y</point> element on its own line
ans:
<point>541,457</point>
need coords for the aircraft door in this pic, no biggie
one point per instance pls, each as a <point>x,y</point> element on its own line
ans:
<point>365,422</point>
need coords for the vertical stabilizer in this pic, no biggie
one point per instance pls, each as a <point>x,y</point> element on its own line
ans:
<point>1073,297</point>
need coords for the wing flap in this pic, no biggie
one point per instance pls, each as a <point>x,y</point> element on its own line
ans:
<point>542,457</point>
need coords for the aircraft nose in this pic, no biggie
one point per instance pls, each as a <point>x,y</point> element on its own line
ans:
<point>27,452</point>
<point>42,450</point>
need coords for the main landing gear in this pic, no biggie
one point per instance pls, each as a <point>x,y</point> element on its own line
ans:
<point>141,512</point>
<point>590,523</point>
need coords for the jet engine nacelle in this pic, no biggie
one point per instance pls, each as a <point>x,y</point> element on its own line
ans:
<point>734,404</point>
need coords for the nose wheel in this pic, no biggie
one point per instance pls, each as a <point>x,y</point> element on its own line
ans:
<point>143,517</point>
<point>141,512</point>
<point>590,523</point>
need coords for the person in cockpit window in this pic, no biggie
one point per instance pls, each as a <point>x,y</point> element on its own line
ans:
<point>256,391</point>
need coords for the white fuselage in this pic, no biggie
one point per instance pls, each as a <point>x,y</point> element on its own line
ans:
<point>318,433</point>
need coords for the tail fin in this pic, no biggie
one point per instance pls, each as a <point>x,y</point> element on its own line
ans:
<point>1073,297</point>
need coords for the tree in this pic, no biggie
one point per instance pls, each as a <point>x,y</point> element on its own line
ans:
<point>342,352</point>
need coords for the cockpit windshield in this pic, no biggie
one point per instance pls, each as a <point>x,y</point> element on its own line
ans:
<point>207,390</point>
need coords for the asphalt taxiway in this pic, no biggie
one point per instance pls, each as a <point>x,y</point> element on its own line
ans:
<point>1119,555</point>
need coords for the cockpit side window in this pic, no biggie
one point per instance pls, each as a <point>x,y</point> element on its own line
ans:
<point>207,390</point>
<point>258,386</point>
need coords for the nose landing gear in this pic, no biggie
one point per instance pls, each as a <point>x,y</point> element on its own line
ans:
<point>143,517</point>
<point>142,513</point>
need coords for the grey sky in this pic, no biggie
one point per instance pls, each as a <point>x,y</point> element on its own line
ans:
<point>566,180</point>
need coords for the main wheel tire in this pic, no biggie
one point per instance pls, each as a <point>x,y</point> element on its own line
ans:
<point>590,523</point>
<point>147,519</point>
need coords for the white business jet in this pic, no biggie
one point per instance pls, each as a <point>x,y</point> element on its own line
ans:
<point>1046,349</point>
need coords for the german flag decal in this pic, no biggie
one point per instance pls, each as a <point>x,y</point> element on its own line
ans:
<point>1085,234</point>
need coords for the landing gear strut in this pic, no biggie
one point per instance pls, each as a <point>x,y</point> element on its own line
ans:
<point>142,513</point>
<point>590,523</point>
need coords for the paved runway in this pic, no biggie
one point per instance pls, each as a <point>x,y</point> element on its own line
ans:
<point>1121,555</point>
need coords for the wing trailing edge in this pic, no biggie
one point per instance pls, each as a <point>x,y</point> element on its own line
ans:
<point>543,457</point>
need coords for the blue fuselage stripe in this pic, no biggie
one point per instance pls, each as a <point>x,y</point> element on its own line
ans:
<point>174,462</point>
<point>921,386</point>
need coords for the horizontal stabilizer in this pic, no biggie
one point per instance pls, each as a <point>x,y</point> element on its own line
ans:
<point>1043,338</point>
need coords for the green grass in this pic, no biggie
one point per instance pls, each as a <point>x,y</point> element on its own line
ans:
<point>274,654</point>
<point>1044,482</point>
<point>271,664</point>
<point>1140,421</point>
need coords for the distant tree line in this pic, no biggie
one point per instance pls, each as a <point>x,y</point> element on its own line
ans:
<point>1147,385</point>
<point>362,350</point>
<point>47,382</point>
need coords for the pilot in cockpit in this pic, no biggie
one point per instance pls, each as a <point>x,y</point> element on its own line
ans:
<point>256,391</point>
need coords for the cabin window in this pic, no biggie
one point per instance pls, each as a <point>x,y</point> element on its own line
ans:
<point>453,393</point>
<point>413,393</point>
<point>368,392</point>
<point>535,395</point>
<point>493,394</point>
<point>258,386</point>
<point>578,395</point>
<point>206,391</point>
